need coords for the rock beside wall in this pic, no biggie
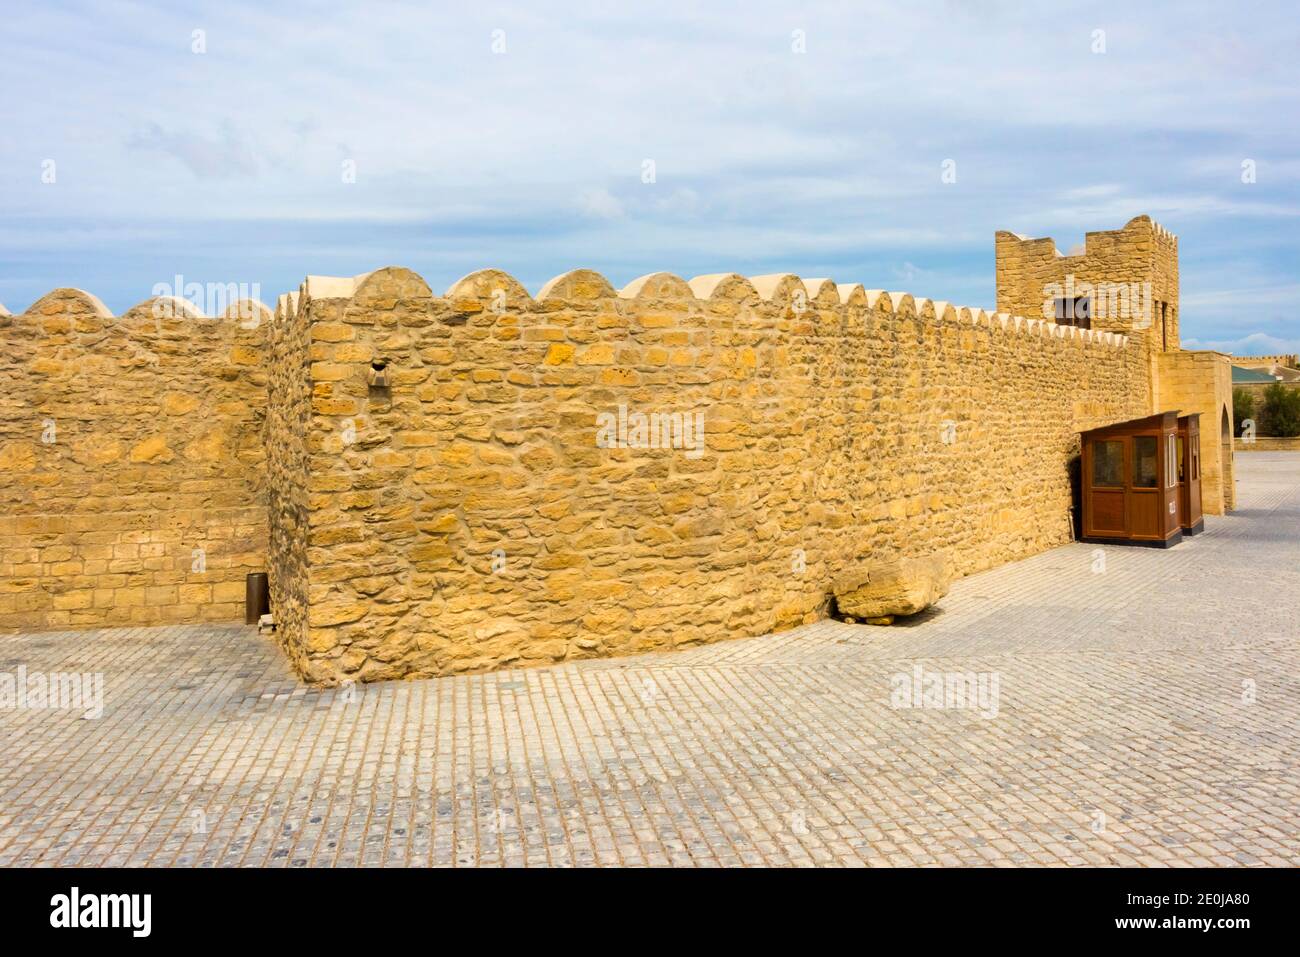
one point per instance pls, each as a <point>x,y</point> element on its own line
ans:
<point>592,472</point>
<point>904,586</point>
<point>131,448</point>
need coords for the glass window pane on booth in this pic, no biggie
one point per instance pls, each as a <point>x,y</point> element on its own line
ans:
<point>1108,464</point>
<point>1146,455</point>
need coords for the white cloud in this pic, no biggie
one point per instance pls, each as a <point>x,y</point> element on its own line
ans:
<point>681,202</point>
<point>1255,344</point>
<point>1281,296</point>
<point>766,161</point>
<point>907,272</point>
<point>600,203</point>
<point>222,156</point>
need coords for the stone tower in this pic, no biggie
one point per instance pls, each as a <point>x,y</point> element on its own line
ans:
<point>1126,281</point>
<point>1123,280</point>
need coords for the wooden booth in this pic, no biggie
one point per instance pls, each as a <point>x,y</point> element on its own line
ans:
<point>1141,481</point>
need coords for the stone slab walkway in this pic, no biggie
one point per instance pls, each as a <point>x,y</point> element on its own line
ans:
<point>1147,713</point>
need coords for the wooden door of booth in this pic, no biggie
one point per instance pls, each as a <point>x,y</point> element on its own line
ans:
<point>1189,474</point>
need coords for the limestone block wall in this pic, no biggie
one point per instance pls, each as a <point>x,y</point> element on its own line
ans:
<point>497,502</point>
<point>1267,363</point>
<point>1264,443</point>
<point>131,451</point>
<point>1202,382</point>
<point>1142,251</point>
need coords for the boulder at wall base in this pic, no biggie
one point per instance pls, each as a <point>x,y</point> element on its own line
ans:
<point>902,587</point>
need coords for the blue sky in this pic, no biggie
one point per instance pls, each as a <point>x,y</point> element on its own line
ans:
<point>227,165</point>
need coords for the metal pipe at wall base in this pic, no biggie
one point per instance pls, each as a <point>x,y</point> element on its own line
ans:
<point>257,597</point>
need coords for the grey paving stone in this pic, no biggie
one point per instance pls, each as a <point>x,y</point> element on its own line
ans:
<point>1147,715</point>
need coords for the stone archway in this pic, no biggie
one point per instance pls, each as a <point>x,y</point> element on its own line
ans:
<point>1225,460</point>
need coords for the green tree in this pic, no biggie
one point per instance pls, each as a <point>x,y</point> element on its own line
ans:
<point>1243,407</point>
<point>1281,410</point>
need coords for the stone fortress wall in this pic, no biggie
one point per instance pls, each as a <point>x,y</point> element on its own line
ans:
<point>1267,362</point>
<point>486,478</point>
<point>132,488</point>
<point>471,515</point>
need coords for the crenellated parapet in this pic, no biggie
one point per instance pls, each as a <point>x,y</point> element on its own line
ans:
<point>1136,233</point>
<point>77,302</point>
<point>1290,361</point>
<point>494,291</point>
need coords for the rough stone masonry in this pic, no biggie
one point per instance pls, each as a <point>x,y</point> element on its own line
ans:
<point>434,485</point>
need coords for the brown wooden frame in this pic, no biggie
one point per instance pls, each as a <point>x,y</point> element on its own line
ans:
<point>1189,482</point>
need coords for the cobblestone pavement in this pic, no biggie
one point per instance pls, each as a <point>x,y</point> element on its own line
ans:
<point>1148,713</point>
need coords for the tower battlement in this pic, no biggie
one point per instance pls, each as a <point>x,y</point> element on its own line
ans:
<point>1124,280</point>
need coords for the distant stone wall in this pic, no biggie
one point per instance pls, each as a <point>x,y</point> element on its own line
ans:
<point>131,456</point>
<point>1267,362</point>
<point>1268,444</point>
<point>497,505</point>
